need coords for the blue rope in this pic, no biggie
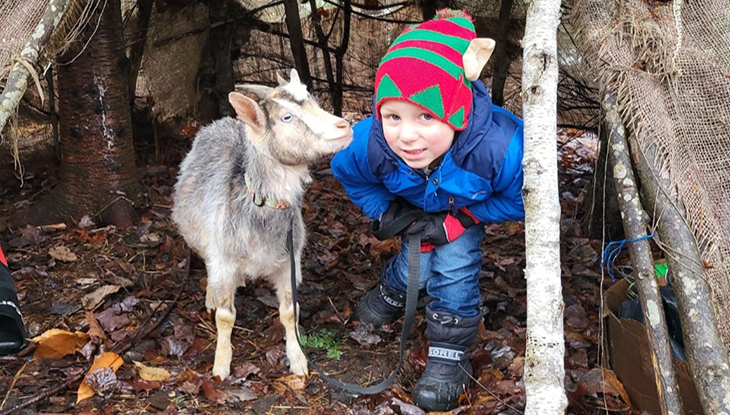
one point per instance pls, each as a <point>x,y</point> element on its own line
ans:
<point>612,251</point>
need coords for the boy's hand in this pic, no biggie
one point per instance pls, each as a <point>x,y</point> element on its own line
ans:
<point>396,220</point>
<point>442,228</point>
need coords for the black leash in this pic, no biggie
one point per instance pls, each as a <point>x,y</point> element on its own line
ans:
<point>414,265</point>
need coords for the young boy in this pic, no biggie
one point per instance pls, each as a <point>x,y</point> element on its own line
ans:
<point>437,144</point>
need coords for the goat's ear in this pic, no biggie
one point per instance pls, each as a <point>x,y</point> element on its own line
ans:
<point>476,56</point>
<point>260,91</point>
<point>248,111</point>
<point>280,80</point>
<point>294,77</point>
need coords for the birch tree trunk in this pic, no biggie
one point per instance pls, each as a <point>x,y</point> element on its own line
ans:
<point>544,364</point>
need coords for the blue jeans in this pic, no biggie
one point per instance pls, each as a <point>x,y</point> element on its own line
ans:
<point>449,273</point>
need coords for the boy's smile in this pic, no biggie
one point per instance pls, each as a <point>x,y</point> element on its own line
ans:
<point>414,134</point>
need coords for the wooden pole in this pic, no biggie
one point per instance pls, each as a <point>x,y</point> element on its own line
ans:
<point>635,221</point>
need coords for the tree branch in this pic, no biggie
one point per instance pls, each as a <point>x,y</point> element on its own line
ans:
<point>380,19</point>
<point>635,221</point>
<point>706,352</point>
<point>17,82</point>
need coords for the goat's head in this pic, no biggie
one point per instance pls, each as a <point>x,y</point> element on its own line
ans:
<point>288,123</point>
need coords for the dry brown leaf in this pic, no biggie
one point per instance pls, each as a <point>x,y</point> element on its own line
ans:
<point>212,394</point>
<point>295,382</point>
<point>612,380</point>
<point>57,343</point>
<point>482,399</point>
<point>62,254</point>
<point>94,326</point>
<point>91,300</point>
<point>108,359</point>
<point>152,374</point>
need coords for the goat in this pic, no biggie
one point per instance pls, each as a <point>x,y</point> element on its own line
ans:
<point>239,190</point>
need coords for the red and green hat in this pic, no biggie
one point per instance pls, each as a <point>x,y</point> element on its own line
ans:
<point>424,67</point>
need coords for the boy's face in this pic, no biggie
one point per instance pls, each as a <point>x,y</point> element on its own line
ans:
<point>413,134</point>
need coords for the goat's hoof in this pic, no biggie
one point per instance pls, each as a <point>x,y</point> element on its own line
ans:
<point>222,371</point>
<point>298,365</point>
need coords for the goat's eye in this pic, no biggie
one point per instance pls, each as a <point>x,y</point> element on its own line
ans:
<point>287,118</point>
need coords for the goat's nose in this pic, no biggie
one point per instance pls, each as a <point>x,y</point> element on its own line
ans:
<point>342,124</point>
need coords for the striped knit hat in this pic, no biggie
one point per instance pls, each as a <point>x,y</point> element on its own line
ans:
<point>424,67</point>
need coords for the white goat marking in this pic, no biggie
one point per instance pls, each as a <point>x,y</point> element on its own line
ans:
<point>297,90</point>
<point>316,125</point>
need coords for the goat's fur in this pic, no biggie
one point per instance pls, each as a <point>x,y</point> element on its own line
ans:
<point>273,140</point>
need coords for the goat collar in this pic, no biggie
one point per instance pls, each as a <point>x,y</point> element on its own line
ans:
<point>260,200</point>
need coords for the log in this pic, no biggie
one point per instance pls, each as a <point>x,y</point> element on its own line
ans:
<point>706,352</point>
<point>635,225</point>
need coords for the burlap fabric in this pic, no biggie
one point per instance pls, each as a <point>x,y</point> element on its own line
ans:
<point>18,20</point>
<point>171,56</point>
<point>669,63</point>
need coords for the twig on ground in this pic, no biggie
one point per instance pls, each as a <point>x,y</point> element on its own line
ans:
<point>490,392</point>
<point>12,384</point>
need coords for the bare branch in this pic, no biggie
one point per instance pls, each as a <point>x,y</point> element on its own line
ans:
<point>18,78</point>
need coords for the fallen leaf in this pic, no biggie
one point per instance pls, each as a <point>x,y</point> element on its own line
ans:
<point>143,385</point>
<point>106,360</point>
<point>94,326</point>
<point>91,300</point>
<point>611,378</point>
<point>57,343</point>
<point>212,394</point>
<point>152,373</point>
<point>111,321</point>
<point>62,254</point>
<point>294,382</point>
<point>126,305</point>
<point>363,334</point>
<point>245,370</point>
<point>407,408</point>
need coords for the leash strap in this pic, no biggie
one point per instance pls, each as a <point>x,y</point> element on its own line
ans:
<point>398,225</point>
<point>414,266</point>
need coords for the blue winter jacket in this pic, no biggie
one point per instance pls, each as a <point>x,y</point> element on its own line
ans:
<point>481,171</point>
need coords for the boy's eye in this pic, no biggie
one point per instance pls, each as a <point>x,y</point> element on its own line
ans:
<point>393,117</point>
<point>426,116</point>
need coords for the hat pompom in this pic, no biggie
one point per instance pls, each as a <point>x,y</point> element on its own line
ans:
<point>450,13</point>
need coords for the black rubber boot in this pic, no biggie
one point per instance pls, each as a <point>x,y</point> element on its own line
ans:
<point>447,374</point>
<point>383,304</point>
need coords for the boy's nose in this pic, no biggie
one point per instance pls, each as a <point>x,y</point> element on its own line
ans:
<point>408,132</point>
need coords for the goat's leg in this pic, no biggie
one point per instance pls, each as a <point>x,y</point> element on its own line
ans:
<point>297,359</point>
<point>220,294</point>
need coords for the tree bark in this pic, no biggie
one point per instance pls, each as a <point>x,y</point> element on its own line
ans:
<point>97,176</point>
<point>502,59</point>
<point>635,221</point>
<point>601,205</point>
<point>219,41</point>
<point>544,355</point>
<point>430,7</point>
<point>17,81</point>
<point>323,42</point>
<point>296,41</point>
<point>706,352</point>
<point>340,57</point>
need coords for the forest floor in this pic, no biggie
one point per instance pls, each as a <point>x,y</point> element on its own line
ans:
<point>137,293</point>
